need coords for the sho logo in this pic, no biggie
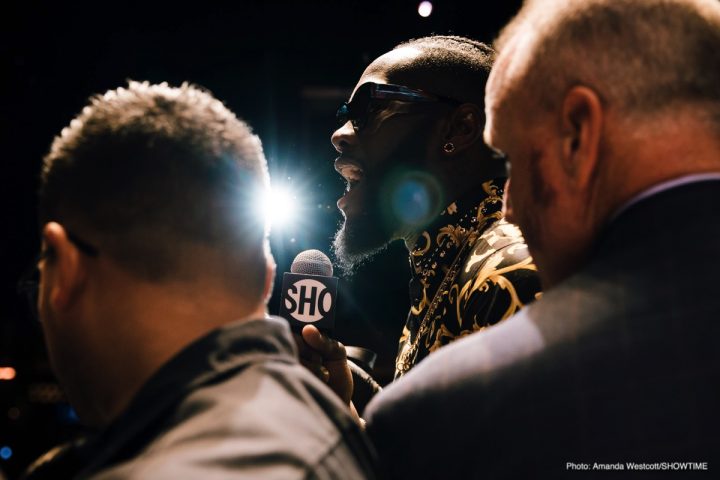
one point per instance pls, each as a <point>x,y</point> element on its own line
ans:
<point>309,299</point>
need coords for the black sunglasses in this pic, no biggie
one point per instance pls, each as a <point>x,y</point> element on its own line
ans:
<point>368,94</point>
<point>29,282</point>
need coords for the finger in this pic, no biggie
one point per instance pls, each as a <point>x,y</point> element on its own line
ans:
<point>306,351</point>
<point>328,348</point>
<point>317,369</point>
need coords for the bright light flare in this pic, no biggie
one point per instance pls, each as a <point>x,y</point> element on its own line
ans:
<point>425,9</point>
<point>7,373</point>
<point>5,453</point>
<point>279,206</point>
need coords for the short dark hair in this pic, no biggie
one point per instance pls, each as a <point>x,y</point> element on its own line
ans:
<point>149,170</point>
<point>461,64</point>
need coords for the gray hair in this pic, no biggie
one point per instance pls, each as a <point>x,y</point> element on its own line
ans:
<point>640,56</point>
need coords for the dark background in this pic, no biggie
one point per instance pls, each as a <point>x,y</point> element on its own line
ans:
<point>284,67</point>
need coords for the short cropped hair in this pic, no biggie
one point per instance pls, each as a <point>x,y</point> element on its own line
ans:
<point>638,55</point>
<point>462,65</point>
<point>149,170</point>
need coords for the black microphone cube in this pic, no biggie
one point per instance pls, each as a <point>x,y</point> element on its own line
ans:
<point>309,300</point>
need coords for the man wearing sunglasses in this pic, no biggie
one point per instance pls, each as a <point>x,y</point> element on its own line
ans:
<point>154,275</point>
<point>609,111</point>
<point>411,150</point>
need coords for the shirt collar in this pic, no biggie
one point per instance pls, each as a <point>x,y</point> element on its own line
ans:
<point>664,186</point>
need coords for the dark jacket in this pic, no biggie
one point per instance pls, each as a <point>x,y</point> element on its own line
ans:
<point>618,364</point>
<point>234,404</point>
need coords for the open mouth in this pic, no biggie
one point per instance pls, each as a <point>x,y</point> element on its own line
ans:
<point>352,175</point>
<point>350,170</point>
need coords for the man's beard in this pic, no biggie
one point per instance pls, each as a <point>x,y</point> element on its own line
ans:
<point>352,249</point>
<point>382,216</point>
<point>362,236</point>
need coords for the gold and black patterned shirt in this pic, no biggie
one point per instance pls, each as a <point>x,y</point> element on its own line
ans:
<point>470,269</point>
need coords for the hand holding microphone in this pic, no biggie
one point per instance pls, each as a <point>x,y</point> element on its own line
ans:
<point>332,358</point>
<point>308,300</point>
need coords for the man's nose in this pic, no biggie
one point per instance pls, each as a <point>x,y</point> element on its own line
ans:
<point>344,137</point>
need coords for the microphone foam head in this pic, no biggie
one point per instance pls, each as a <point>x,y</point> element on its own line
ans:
<point>312,262</point>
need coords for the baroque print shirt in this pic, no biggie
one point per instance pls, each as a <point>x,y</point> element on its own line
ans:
<point>470,270</point>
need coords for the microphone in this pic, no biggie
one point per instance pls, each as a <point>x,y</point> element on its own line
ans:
<point>309,292</point>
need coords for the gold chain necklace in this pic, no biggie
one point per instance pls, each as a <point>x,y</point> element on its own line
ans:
<point>408,356</point>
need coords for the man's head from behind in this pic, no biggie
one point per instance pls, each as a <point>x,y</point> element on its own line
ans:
<point>410,140</point>
<point>594,101</point>
<point>146,207</point>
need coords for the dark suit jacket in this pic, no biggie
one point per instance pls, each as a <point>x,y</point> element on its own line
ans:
<point>619,363</point>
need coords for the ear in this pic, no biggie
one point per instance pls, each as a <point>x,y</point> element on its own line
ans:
<point>270,268</point>
<point>63,271</point>
<point>582,122</point>
<point>465,128</point>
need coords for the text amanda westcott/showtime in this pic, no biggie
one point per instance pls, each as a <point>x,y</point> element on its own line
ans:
<point>639,466</point>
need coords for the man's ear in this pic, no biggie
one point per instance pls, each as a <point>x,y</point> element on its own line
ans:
<point>464,129</point>
<point>581,123</point>
<point>63,270</point>
<point>270,268</point>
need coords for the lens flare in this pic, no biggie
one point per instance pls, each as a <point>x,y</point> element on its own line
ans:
<point>6,452</point>
<point>7,373</point>
<point>415,198</point>
<point>411,202</point>
<point>278,205</point>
